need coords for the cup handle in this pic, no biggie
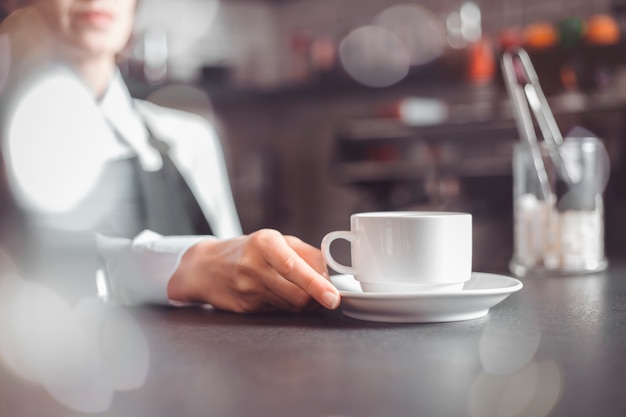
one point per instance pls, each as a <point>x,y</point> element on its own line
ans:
<point>327,241</point>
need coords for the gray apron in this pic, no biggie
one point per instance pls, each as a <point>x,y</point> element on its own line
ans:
<point>126,200</point>
<point>161,201</point>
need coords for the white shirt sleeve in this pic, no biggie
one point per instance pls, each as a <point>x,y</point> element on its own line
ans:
<point>138,270</point>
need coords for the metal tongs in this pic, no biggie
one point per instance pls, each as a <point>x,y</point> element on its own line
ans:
<point>524,89</point>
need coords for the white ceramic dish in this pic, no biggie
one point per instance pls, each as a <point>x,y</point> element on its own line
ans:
<point>478,295</point>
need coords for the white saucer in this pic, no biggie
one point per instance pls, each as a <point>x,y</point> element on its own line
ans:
<point>478,295</point>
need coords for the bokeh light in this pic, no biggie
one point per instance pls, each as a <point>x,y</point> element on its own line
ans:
<point>80,355</point>
<point>375,56</point>
<point>185,22</point>
<point>531,391</point>
<point>454,28</point>
<point>123,351</point>
<point>471,21</point>
<point>53,157</point>
<point>155,55</point>
<point>420,30</point>
<point>464,26</point>
<point>513,382</point>
<point>504,349</point>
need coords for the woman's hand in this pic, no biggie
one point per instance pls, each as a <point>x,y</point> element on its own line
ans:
<point>262,271</point>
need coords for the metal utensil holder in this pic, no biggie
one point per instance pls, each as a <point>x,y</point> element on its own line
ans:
<point>557,185</point>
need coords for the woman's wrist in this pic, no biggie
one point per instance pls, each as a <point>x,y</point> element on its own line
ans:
<point>183,285</point>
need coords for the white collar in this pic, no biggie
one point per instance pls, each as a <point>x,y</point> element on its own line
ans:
<point>118,108</point>
<point>116,101</point>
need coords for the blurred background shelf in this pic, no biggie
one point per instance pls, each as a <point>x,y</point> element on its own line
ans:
<point>308,144</point>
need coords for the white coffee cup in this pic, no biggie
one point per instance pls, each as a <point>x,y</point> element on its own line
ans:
<point>406,251</point>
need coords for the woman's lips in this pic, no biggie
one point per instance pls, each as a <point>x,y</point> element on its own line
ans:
<point>98,19</point>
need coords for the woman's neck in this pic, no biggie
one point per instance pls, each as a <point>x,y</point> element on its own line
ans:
<point>95,73</point>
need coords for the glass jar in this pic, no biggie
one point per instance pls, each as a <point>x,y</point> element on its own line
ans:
<point>562,233</point>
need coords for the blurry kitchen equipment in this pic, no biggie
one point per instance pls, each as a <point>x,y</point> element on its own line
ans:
<point>540,35</point>
<point>417,111</point>
<point>300,50</point>
<point>192,28</point>
<point>323,53</point>
<point>510,37</point>
<point>524,124</point>
<point>571,31</point>
<point>558,184</point>
<point>482,64</point>
<point>148,59</point>
<point>602,30</point>
<point>155,55</point>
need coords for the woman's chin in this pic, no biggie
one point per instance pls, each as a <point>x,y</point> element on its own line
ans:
<point>95,47</point>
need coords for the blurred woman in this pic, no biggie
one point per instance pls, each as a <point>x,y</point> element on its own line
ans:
<point>161,205</point>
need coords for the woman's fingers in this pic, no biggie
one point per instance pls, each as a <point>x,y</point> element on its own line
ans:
<point>310,254</point>
<point>291,294</point>
<point>286,261</point>
<point>254,273</point>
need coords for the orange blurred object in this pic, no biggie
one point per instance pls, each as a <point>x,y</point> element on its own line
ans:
<point>510,37</point>
<point>540,35</point>
<point>569,79</point>
<point>602,30</point>
<point>482,63</point>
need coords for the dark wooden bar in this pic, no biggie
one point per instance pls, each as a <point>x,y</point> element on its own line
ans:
<point>556,347</point>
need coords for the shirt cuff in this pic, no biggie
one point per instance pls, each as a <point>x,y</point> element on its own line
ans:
<point>139,270</point>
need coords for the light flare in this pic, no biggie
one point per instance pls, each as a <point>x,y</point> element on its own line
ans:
<point>375,56</point>
<point>80,355</point>
<point>185,22</point>
<point>422,32</point>
<point>531,391</point>
<point>53,160</point>
<point>504,350</point>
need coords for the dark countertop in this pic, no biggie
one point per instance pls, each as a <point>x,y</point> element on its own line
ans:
<point>558,346</point>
